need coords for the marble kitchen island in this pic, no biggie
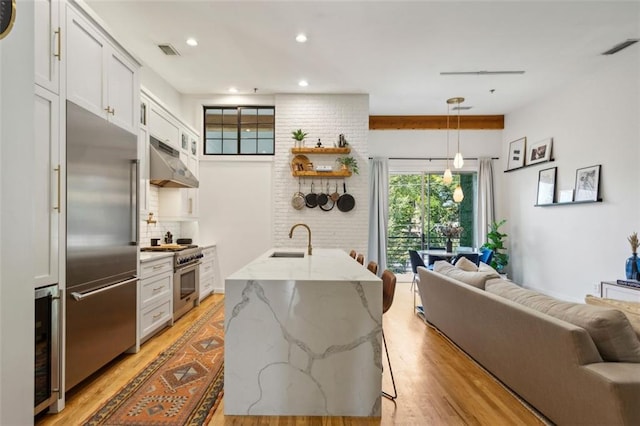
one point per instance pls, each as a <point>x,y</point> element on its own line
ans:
<point>303,336</point>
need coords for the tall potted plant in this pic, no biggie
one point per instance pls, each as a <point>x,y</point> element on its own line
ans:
<point>495,242</point>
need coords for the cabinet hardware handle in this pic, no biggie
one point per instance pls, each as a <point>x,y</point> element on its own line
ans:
<point>156,316</point>
<point>58,54</point>
<point>158,267</point>
<point>190,205</point>
<point>57,170</point>
<point>110,110</point>
<point>113,111</point>
<point>157,289</point>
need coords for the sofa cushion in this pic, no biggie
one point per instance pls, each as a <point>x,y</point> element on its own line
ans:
<point>475,279</point>
<point>630,309</point>
<point>466,265</point>
<point>609,328</point>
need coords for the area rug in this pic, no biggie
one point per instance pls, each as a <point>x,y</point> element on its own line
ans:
<point>182,386</point>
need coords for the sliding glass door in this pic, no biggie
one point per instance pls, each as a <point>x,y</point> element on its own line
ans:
<point>418,203</point>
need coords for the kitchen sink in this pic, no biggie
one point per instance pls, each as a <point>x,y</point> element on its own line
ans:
<point>287,254</point>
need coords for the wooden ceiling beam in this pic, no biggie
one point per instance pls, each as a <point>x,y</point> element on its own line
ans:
<point>435,122</point>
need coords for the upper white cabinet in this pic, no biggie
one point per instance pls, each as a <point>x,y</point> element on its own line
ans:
<point>163,126</point>
<point>47,44</point>
<point>48,178</point>
<point>100,78</point>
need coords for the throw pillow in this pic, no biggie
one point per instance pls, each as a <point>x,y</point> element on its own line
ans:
<point>466,265</point>
<point>609,328</point>
<point>630,309</point>
<point>475,279</point>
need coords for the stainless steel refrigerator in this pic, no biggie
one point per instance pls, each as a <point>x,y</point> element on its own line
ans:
<point>102,235</point>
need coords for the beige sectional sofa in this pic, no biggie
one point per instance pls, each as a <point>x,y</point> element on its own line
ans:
<point>552,363</point>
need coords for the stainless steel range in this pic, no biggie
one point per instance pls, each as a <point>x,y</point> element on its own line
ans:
<point>186,280</point>
<point>186,276</point>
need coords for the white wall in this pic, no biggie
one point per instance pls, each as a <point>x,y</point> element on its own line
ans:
<point>16,190</point>
<point>566,250</point>
<point>323,117</point>
<point>170,97</point>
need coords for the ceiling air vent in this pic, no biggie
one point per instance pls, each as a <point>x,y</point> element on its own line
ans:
<point>461,108</point>
<point>618,47</point>
<point>481,72</point>
<point>168,50</point>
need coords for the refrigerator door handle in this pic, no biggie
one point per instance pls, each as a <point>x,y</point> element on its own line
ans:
<point>80,296</point>
<point>133,202</point>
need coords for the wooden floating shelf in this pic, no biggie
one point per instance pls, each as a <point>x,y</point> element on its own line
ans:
<point>333,174</point>
<point>599,200</point>
<point>345,150</point>
<point>530,165</point>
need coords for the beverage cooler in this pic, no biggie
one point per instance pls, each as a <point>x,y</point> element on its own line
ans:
<point>47,347</point>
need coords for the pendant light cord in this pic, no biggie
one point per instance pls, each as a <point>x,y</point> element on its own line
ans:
<point>447,136</point>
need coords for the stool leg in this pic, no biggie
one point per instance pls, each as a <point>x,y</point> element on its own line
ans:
<point>395,392</point>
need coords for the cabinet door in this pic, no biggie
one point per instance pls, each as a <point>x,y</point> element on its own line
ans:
<point>47,177</point>
<point>84,59</point>
<point>143,155</point>
<point>163,128</point>
<point>192,206</point>
<point>47,44</point>
<point>122,91</point>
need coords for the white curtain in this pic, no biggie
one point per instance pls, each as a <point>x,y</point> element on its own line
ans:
<point>485,207</point>
<point>378,211</point>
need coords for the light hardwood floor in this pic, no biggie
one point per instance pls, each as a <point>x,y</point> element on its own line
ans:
<point>437,385</point>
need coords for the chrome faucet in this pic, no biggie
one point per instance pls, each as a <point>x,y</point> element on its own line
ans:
<point>309,248</point>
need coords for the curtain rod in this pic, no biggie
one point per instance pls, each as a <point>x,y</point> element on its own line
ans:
<point>432,158</point>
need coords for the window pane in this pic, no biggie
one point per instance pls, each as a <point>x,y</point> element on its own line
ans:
<point>213,146</point>
<point>230,146</point>
<point>248,146</point>
<point>249,132</point>
<point>266,111</point>
<point>230,132</point>
<point>248,115</point>
<point>213,132</point>
<point>265,146</point>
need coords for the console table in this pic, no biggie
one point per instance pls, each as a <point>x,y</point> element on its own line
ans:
<point>613,290</point>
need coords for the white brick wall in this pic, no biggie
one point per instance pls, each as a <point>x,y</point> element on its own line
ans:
<point>158,229</point>
<point>324,117</point>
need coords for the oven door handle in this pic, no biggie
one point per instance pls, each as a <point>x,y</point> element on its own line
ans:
<point>79,296</point>
<point>187,268</point>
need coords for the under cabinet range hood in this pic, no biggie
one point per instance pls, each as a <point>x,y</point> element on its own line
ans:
<point>166,169</point>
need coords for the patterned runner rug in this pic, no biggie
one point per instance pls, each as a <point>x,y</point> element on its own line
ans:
<point>182,386</point>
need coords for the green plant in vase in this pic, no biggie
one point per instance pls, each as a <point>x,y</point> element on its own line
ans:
<point>298,136</point>
<point>495,242</point>
<point>348,163</point>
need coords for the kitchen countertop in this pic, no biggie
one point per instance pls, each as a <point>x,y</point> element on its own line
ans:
<point>322,265</point>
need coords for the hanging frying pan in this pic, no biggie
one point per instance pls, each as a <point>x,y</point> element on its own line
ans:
<point>328,206</point>
<point>311,199</point>
<point>346,202</point>
<point>298,201</point>
<point>335,195</point>
<point>323,198</point>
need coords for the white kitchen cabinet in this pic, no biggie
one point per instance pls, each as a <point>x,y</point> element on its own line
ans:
<point>47,44</point>
<point>163,126</point>
<point>100,77</point>
<point>143,155</point>
<point>207,271</point>
<point>48,178</point>
<point>155,309</point>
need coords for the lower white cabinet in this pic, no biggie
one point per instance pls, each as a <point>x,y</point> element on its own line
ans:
<point>207,271</point>
<point>155,310</point>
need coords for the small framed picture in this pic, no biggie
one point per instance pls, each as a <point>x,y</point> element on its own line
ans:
<point>517,153</point>
<point>587,183</point>
<point>565,196</point>
<point>540,152</point>
<point>546,186</point>
<point>185,141</point>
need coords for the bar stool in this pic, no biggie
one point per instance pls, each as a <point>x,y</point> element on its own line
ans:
<point>352,253</point>
<point>360,259</point>
<point>388,291</point>
<point>373,267</point>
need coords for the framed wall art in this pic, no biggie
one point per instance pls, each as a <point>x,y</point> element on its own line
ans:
<point>587,183</point>
<point>546,186</point>
<point>539,152</point>
<point>517,153</point>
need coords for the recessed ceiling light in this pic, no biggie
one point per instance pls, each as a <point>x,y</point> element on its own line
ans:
<point>192,42</point>
<point>303,83</point>
<point>233,90</point>
<point>301,38</point>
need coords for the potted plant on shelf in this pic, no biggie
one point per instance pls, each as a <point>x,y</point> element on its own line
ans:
<point>348,163</point>
<point>298,136</point>
<point>495,242</point>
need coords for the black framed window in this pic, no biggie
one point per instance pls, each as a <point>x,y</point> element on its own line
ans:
<point>239,130</point>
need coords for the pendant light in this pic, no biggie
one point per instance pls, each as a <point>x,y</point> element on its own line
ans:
<point>447,177</point>
<point>458,195</point>
<point>458,161</point>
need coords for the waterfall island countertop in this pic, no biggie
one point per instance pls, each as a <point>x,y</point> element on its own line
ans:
<point>303,336</point>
